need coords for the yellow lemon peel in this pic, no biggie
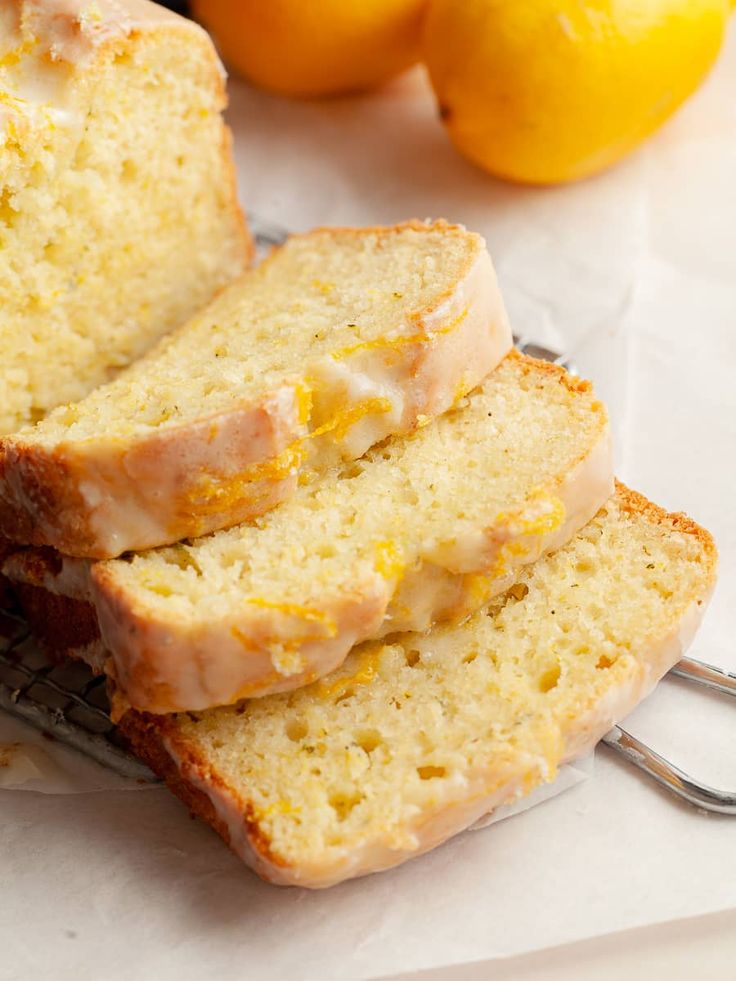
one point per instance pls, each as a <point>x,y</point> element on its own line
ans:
<point>367,670</point>
<point>393,343</point>
<point>213,494</point>
<point>298,611</point>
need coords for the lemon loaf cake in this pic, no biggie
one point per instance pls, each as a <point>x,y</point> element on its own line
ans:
<point>118,208</point>
<point>416,738</point>
<point>422,529</point>
<point>340,338</point>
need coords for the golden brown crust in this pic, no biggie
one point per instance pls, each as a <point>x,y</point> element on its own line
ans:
<point>62,624</point>
<point>59,623</point>
<point>530,365</point>
<point>40,492</point>
<point>633,502</point>
<point>414,224</point>
<point>50,483</point>
<point>146,734</point>
<point>143,733</point>
<point>6,591</point>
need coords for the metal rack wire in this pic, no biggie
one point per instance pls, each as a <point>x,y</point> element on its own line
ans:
<point>65,701</point>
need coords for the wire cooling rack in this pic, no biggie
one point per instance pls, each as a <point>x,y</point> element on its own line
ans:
<point>70,704</point>
<point>65,701</point>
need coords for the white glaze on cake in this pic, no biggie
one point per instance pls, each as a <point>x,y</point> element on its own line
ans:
<point>165,667</point>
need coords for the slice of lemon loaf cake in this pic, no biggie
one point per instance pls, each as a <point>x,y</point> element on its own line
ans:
<point>118,208</point>
<point>341,338</point>
<point>422,529</point>
<point>414,739</point>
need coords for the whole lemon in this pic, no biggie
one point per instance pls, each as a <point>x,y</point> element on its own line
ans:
<point>547,91</point>
<point>315,47</point>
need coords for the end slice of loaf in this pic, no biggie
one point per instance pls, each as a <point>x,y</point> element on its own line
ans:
<point>414,739</point>
<point>118,207</point>
<point>422,529</point>
<point>341,338</point>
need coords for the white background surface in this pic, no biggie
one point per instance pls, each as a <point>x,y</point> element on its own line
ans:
<point>635,271</point>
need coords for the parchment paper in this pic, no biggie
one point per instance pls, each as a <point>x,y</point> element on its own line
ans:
<point>633,272</point>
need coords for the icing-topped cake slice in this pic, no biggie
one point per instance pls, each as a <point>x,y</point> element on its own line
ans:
<point>118,208</point>
<point>341,338</point>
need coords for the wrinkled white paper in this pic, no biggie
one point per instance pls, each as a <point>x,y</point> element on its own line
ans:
<point>633,273</point>
<point>31,761</point>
